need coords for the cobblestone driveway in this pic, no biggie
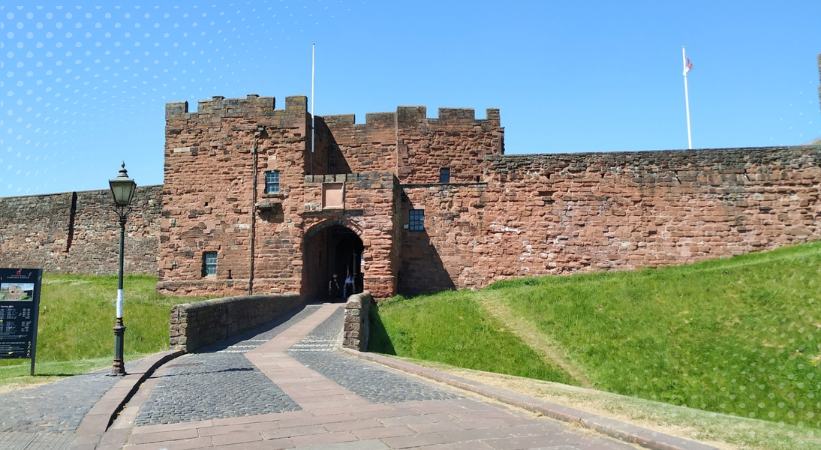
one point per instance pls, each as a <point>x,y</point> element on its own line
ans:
<point>374,383</point>
<point>210,385</point>
<point>218,382</point>
<point>336,401</point>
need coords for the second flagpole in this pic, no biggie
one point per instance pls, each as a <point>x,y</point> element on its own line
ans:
<point>684,70</point>
<point>313,77</point>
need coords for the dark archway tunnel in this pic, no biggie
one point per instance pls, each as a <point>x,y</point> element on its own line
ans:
<point>331,250</point>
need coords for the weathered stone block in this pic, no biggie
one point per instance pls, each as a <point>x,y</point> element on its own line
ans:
<point>356,321</point>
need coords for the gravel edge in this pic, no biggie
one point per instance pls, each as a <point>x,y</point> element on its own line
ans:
<point>616,429</point>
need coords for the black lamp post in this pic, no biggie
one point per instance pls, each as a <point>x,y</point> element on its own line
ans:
<point>122,188</point>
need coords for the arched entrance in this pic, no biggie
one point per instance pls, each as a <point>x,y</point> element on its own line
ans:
<point>329,250</point>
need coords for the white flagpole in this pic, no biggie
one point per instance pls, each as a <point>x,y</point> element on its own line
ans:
<point>313,77</point>
<point>686,98</point>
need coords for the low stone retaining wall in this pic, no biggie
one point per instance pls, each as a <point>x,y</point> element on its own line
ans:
<point>194,325</point>
<point>356,321</point>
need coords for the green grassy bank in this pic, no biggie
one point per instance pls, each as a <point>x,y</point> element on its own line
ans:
<point>740,336</point>
<point>76,319</point>
<point>450,327</point>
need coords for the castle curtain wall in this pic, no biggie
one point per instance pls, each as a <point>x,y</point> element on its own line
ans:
<point>549,214</point>
<point>627,210</point>
<point>78,232</point>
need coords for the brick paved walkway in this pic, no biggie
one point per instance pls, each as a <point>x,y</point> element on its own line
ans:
<point>338,402</point>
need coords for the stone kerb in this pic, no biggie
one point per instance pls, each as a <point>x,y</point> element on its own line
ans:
<point>194,325</point>
<point>356,321</point>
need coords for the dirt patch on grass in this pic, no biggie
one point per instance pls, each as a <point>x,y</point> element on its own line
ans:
<point>17,386</point>
<point>550,351</point>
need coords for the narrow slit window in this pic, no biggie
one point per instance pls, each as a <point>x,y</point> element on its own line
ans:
<point>209,264</point>
<point>272,182</point>
<point>416,220</point>
<point>444,175</point>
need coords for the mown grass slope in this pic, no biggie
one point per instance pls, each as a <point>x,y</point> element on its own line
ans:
<point>76,319</point>
<point>450,327</point>
<point>740,335</point>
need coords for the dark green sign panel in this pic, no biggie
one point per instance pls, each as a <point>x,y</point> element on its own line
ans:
<point>19,308</point>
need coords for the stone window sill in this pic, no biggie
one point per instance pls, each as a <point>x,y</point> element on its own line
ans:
<point>269,203</point>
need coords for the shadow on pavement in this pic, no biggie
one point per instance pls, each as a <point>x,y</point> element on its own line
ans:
<point>188,374</point>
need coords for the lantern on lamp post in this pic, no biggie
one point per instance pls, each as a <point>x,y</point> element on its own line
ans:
<point>122,189</point>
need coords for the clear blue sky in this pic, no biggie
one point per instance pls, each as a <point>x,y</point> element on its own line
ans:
<point>83,86</point>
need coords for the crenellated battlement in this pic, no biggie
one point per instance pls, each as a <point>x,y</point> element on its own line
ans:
<point>406,141</point>
<point>251,105</point>
<point>411,116</point>
<point>414,145</point>
<point>403,117</point>
<point>376,121</point>
<point>414,116</point>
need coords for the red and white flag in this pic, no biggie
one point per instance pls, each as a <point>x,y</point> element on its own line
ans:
<point>688,66</point>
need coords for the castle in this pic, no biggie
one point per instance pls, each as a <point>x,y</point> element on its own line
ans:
<point>254,201</point>
<point>409,204</point>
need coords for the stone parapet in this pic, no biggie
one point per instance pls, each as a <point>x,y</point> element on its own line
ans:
<point>356,321</point>
<point>194,325</point>
<point>721,161</point>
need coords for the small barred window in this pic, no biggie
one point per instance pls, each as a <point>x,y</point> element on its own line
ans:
<point>272,182</point>
<point>209,263</point>
<point>444,175</point>
<point>416,220</point>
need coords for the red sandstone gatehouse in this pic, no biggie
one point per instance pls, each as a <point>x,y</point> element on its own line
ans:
<point>407,203</point>
<point>247,204</point>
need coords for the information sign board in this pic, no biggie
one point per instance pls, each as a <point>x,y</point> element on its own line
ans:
<point>19,311</point>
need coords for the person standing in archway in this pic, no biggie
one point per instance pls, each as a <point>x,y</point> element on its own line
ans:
<point>333,287</point>
<point>348,289</point>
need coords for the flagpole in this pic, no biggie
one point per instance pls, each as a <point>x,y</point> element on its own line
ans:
<point>313,78</point>
<point>686,97</point>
